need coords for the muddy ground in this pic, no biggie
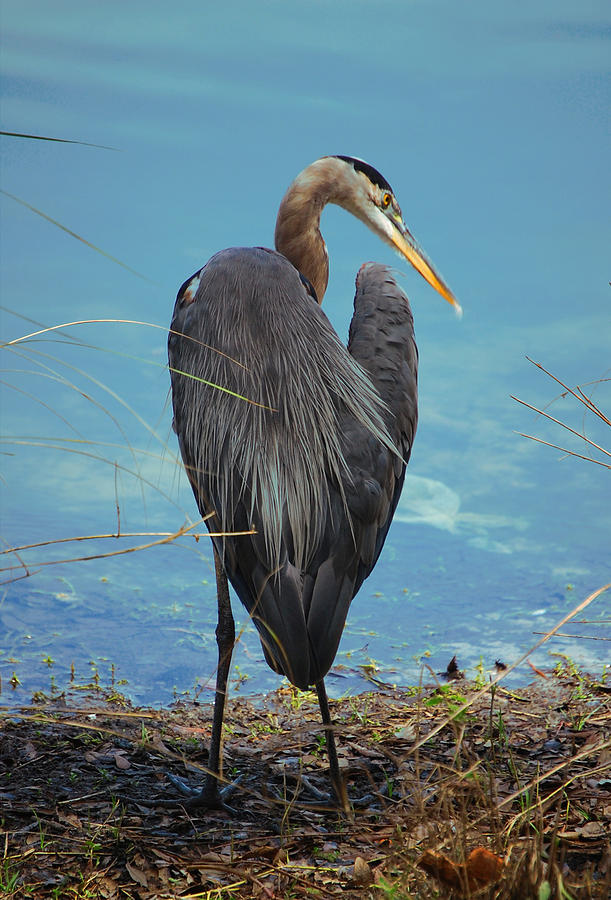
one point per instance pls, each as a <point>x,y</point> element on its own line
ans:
<point>521,780</point>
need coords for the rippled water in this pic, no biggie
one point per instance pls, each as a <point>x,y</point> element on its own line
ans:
<point>489,123</point>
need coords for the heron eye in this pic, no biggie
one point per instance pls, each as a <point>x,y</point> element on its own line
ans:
<point>386,200</point>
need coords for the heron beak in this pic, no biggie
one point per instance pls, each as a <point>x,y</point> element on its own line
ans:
<point>406,245</point>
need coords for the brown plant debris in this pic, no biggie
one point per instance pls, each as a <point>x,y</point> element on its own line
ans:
<point>510,799</point>
<point>481,868</point>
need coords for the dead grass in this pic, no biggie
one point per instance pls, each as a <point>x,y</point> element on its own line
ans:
<point>523,775</point>
<point>590,412</point>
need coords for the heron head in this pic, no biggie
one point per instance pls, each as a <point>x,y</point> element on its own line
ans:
<point>367,195</point>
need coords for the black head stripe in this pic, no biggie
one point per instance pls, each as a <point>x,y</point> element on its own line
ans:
<point>371,173</point>
<point>308,286</point>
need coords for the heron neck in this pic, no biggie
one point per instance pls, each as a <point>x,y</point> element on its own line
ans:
<point>298,234</point>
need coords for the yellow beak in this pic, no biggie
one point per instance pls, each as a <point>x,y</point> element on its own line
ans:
<point>405,243</point>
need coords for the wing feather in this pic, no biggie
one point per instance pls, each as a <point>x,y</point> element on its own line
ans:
<point>316,468</point>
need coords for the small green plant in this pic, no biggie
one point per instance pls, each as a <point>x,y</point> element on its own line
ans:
<point>447,696</point>
<point>390,786</point>
<point>330,855</point>
<point>565,667</point>
<point>8,878</point>
<point>359,711</point>
<point>480,674</point>
<point>116,697</point>
<point>585,815</point>
<point>92,849</point>
<point>262,727</point>
<point>321,743</point>
<point>390,891</point>
<point>370,668</point>
<point>239,677</point>
<point>299,698</point>
<point>42,839</point>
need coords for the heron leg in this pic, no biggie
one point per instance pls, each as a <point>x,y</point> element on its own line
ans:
<point>210,796</point>
<point>339,784</point>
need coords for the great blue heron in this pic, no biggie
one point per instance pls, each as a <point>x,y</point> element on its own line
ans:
<point>312,462</point>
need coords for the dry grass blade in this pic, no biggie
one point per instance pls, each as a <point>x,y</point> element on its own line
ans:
<point>167,537</point>
<point>63,325</point>
<point>44,137</point>
<point>581,637</point>
<point>34,399</point>
<point>578,434</point>
<point>47,371</point>
<point>589,405</point>
<point>60,373</point>
<point>107,461</point>
<point>52,328</point>
<point>562,449</point>
<point>578,393</point>
<point>78,237</point>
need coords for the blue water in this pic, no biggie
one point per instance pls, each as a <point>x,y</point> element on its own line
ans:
<point>489,122</point>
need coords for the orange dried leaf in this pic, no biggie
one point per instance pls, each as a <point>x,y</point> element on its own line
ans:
<point>536,670</point>
<point>483,866</point>
<point>441,867</point>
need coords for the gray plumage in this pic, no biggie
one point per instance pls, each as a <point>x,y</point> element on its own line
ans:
<point>311,453</point>
<point>286,433</point>
<point>317,468</point>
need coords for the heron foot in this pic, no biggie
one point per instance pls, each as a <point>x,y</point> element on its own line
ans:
<point>207,797</point>
<point>322,799</point>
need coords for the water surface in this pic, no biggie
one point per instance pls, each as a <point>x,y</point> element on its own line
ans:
<point>489,123</point>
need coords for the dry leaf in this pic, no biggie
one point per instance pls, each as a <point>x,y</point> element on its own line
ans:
<point>69,819</point>
<point>536,670</point>
<point>482,868</point>
<point>137,875</point>
<point>30,750</point>
<point>368,752</point>
<point>158,744</point>
<point>406,733</point>
<point>121,762</point>
<point>281,857</point>
<point>108,888</point>
<point>362,873</point>
<point>592,830</point>
<point>441,867</point>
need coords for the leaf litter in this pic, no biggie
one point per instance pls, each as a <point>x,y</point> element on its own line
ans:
<point>510,798</point>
